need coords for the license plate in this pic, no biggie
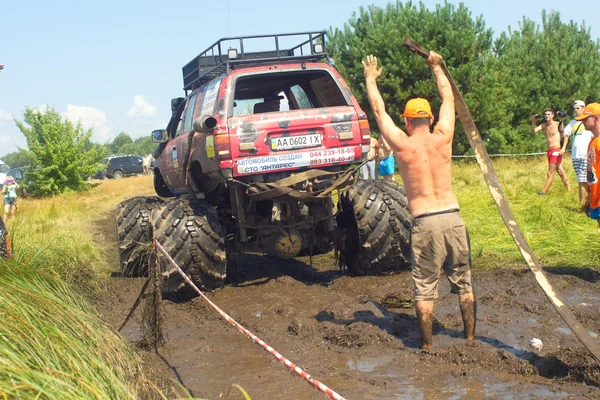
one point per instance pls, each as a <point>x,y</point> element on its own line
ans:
<point>296,142</point>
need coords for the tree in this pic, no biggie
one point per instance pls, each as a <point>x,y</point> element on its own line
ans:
<point>545,68</point>
<point>503,81</point>
<point>18,158</point>
<point>464,42</point>
<point>118,142</point>
<point>60,162</point>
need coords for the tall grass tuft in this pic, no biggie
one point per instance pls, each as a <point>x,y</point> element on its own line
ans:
<point>53,345</point>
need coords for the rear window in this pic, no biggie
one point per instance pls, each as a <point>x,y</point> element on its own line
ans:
<point>294,90</point>
<point>3,168</point>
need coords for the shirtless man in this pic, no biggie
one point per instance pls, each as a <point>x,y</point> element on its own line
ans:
<point>439,239</point>
<point>553,131</point>
<point>387,164</point>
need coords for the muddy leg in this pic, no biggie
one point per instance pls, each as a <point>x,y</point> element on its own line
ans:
<point>468,309</point>
<point>425,321</point>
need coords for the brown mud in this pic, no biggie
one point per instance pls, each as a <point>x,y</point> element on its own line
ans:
<point>358,335</point>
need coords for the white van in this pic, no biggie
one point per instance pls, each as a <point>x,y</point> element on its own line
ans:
<point>3,170</point>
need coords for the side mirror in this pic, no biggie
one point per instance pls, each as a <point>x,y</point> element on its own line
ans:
<point>205,123</point>
<point>160,136</point>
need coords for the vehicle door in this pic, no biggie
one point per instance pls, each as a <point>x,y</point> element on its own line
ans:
<point>136,165</point>
<point>176,149</point>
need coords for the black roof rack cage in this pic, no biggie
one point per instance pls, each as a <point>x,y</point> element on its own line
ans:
<point>215,61</point>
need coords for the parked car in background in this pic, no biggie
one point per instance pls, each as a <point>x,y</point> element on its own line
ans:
<point>20,176</point>
<point>123,165</point>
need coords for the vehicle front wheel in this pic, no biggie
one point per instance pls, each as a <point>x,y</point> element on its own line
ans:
<point>118,174</point>
<point>375,221</point>
<point>190,231</point>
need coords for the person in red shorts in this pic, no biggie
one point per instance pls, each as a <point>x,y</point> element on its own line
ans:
<point>554,132</point>
<point>591,120</point>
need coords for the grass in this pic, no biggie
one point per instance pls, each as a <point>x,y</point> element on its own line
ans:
<point>53,345</point>
<point>557,234</point>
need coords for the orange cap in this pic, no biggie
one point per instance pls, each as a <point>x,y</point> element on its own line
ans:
<point>417,108</point>
<point>589,110</point>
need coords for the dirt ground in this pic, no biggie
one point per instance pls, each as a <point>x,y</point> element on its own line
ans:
<point>358,335</point>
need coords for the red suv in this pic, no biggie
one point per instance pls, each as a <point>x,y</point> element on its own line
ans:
<point>253,154</point>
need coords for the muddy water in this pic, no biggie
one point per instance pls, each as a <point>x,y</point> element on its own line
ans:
<point>358,335</point>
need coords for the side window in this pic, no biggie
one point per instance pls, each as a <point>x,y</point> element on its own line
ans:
<point>210,92</point>
<point>301,97</point>
<point>188,118</point>
<point>327,91</point>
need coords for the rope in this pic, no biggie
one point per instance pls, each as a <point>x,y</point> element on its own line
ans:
<point>291,366</point>
<point>509,155</point>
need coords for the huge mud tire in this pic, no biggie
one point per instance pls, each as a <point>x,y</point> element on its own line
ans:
<point>134,233</point>
<point>190,231</point>
<point>374,218</point>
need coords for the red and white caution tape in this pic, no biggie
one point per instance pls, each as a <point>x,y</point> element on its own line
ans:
<point>291,366</point>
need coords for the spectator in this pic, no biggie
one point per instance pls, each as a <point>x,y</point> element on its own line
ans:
<point>146,164</point>
<point>581,141</point>
<point>10,196</point>
<point>367,171</point>
<point>591,121</point>
<point>553,131</point>
<point>387,161</point>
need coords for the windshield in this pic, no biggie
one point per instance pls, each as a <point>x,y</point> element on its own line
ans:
<point>3,168</point>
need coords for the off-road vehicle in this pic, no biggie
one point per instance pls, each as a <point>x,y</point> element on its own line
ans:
<point>251,160</point>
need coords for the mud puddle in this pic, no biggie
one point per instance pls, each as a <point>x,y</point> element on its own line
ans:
<point>358,335</point>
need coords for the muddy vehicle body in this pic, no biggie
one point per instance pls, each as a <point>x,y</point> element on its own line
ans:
<point>251,161</point>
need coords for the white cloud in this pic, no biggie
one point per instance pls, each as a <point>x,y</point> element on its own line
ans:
<point>141,108</point>
<point>9,143</point>
<point>90,117</point>
<point>4,116</point>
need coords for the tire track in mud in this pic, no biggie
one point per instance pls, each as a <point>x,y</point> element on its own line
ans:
<point>358,335</point>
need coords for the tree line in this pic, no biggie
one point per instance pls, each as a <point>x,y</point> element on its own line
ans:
<point>504,80</point>
<point>61,154</point>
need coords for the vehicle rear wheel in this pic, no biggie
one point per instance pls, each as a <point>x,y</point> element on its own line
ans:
<point>118,174</point>
<point>134,233</point>
<point>374,216</point>
<point>190,231</point>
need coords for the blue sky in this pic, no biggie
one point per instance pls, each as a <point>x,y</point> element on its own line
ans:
<point>116,64</point>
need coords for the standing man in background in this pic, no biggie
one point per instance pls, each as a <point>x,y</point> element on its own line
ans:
<point>581,141</point>
<point>146,163</point>
<point>591,120</point>
<point>553,131</point>
<point>368,171</point>
<point>439,239</point>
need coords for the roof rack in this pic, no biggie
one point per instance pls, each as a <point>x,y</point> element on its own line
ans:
<point>217,60</point>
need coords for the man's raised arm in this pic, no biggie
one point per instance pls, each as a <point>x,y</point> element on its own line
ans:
<point>447,117</point>
<point>388,128</point>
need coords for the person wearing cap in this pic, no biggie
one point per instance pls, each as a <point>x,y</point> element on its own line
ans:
<point>581,140</point>
<point>10,196</point>
<point>439,238</point>
<point>554,133</point>
<point>591,121</point>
